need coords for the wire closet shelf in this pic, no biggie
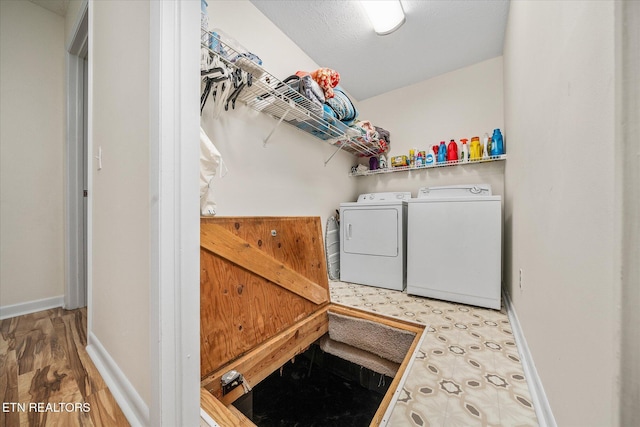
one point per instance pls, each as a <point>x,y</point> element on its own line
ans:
<point>265,93</point>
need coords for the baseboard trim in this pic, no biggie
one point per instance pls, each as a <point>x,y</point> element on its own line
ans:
<point>538,396</point>
<point>29,307</point>
<point>130,402</point>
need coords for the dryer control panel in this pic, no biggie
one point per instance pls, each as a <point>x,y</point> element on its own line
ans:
<point>386,197</point>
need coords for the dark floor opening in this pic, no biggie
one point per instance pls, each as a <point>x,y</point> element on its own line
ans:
<point>316,390</point>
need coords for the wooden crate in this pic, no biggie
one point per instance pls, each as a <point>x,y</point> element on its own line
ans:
<point>264,300</point>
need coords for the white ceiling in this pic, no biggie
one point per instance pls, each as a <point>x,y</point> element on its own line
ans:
<point>438,36</point>
<point>58,7</point>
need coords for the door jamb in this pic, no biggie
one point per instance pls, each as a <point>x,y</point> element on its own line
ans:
<point>75,271</point>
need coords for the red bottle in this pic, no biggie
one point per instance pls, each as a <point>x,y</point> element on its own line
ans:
<point>452,151</point>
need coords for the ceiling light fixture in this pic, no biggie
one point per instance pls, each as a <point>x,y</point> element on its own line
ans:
<point>385,15</point>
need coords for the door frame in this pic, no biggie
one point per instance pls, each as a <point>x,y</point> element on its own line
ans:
<point>75,294</point>
<point>174,304</point>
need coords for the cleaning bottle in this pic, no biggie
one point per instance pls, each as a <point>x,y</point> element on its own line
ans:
<point>430,159</point>
<point>475,148</point>
<point>419,160</point>
<point>464,151</point>
<point>497,146</point>
<point>452,151</point>
<point>382,163</point>
<point>442,152</point>
<point>486,143</point>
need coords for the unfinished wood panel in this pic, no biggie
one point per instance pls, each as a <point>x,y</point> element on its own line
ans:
<point>258,364</point>
<point>225,244</point>
<point>240,309</point>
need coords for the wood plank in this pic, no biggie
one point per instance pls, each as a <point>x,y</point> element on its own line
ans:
<point>385,320</point>
<point>297,241</point>
<point>216,410</point>
<point>386,400</point>
<point>258,364</point>
<point>221,242</point>
<point>244,421</point>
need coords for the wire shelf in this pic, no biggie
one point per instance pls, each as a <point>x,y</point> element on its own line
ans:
<point>437,165</point>
<point>265,93</point>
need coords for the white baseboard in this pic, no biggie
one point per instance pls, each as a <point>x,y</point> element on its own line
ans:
<point>130,402</point>
<point>29,307</point>
<point>540,401</point>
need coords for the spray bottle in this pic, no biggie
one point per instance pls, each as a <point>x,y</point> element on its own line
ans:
<point>464,151</point>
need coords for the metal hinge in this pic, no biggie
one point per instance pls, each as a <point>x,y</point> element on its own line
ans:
<point>85,193</point>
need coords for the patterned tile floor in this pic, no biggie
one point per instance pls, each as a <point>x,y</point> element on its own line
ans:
<point>467,371</point>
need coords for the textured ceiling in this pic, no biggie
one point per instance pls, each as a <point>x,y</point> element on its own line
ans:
<point>438,36</point>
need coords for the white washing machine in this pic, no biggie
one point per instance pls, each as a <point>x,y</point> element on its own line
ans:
<point>454,245</point>
<point>373,240</point>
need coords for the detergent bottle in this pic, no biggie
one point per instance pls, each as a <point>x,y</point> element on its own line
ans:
<point>486,143</point>
<point>452,151</point>
<point>475,148</point>
<point>442,152</point>
<point>497,145</point>
<point>429,159</point>
<point>382,163</point>
<point>464,150</point>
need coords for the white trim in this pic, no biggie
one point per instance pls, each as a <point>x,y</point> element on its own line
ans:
<point>538,396</point>
<point>175,224</point>
<point>89,154</point>
<point>130,402</point>
<point>29,307</point>
<point>207,420</point>
<point>75,283</point>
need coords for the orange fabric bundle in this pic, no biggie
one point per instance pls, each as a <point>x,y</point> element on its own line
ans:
<point>327,79</point>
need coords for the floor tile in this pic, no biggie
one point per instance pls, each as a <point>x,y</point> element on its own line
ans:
<point>468,371</point>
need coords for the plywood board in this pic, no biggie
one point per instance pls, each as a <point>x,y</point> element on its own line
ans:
<point>259,276</point>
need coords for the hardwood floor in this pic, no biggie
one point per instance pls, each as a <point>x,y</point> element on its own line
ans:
<point>46,375</point>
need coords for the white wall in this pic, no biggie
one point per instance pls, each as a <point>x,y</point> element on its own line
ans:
<point>460,104</point>
<point>32,106</point>
<point>119,79</point>
<point>288,176</point>
<point>561,209</point>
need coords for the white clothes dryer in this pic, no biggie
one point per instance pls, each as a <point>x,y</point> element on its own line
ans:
<point>373,240</point>
<point>454,245</point>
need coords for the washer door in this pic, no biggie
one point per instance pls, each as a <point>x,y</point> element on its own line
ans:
<point>370,231</point>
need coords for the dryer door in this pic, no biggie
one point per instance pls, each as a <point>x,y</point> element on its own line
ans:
<point>370,231</point>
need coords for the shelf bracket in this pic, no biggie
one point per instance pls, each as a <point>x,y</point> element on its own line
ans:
<point>334,153</point>
<point>274,128</point>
